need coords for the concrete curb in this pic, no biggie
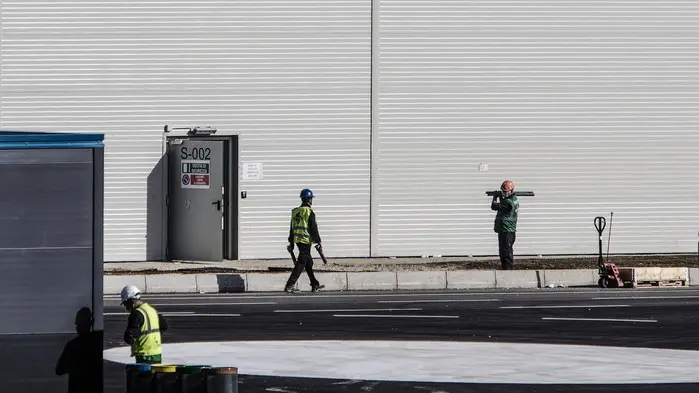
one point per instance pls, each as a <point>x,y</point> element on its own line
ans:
<point>568,278</point>
<point>517,279</point>
<point>693,275</point>
<point>372,281</point>
<point>470,279</point>
<point>421,280</point>
<point>171,283</point>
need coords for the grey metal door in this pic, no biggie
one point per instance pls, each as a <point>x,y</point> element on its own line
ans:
<point>196,199</point>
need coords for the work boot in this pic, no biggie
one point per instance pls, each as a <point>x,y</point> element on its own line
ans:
<point>316,288</point>
<point>291,290</point>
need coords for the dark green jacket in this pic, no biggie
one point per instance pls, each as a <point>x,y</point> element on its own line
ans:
<point>506,218</point>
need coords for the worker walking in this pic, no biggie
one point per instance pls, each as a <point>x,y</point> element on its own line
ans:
<point>144,327</point>
<point>507,206</point>
<point>303,232</point>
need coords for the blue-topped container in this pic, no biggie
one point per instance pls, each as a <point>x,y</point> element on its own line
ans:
<point>139,378</point>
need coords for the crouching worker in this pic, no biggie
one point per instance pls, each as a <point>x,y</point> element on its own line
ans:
<point>143,327</point>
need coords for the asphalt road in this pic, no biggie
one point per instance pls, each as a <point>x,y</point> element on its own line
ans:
<point>642,318</point>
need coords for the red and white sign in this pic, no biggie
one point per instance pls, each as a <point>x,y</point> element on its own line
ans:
<point>195,174</point>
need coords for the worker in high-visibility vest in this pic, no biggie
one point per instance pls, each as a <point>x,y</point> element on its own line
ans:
<point>303,232</point>
<point>144,327</point>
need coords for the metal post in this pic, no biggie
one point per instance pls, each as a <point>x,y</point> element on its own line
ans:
<point>609,239</point>
<point>516,193</point>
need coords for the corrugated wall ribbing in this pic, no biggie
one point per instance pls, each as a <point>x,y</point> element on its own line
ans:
<point>592,104</point>
<point>291,77</point>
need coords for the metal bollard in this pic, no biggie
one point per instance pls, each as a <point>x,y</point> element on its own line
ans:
<point>191,379</point>
<point>138,378</point>
<point>221,379</point>
<point>164,378</point>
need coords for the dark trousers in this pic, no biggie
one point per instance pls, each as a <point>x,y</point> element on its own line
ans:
<point>505,242</point>
<point>303,262</point>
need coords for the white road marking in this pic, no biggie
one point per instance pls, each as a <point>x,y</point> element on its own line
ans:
<point>392,316</point>
<point>179,314</point>
<point>600,319</point>
<point>203,315</point>
<point>354,309</point>
<point>211,304</point>
<point>429,389</point>
<point>439,301</point>
<point>644,297</point>
<point>572,306</point>
<point>350,382</point>
<point>279,390</point>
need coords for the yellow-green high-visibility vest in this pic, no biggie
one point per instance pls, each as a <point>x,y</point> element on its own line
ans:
<point>299,224</point>
<point>148,342</point>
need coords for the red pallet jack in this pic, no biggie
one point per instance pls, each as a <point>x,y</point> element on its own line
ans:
<point>608,272</point>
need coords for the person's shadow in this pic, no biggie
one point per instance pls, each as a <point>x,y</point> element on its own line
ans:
<point>82,357</point>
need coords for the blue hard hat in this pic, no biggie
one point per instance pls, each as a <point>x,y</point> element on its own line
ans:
<point>306,193</point>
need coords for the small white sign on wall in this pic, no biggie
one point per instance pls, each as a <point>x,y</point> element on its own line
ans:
<point>253,171</point>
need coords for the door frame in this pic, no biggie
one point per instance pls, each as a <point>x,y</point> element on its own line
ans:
<point>231,186</point>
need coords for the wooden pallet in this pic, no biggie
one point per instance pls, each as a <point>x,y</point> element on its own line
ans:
<point>667,283</point>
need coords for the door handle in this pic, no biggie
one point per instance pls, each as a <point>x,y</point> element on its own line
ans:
<point>218,205</point>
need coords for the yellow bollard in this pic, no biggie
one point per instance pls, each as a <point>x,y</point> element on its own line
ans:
<point>164,378</point>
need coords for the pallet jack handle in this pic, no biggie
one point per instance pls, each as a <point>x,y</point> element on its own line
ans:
<point>600,224</point>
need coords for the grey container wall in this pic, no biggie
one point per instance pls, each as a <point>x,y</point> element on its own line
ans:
<point>51,251</point>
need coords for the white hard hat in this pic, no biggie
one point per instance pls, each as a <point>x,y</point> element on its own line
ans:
<point>130,292</point>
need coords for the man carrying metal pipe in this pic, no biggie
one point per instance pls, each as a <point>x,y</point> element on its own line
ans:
<point>507,206</point>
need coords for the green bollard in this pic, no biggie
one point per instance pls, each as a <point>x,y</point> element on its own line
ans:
<point>191,379</point>
<point>221,379</point>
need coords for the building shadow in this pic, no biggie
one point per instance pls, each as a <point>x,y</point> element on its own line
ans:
<point>156,212</point>
<point>82,357</point>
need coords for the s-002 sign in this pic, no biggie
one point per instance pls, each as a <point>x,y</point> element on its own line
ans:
<point>196,174</point>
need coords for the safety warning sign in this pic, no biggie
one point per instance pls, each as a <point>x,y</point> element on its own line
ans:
<point>196,174</point>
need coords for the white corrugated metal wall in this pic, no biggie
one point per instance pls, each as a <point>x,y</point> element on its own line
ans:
<point>292,77</point>
<point>592,104</point>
